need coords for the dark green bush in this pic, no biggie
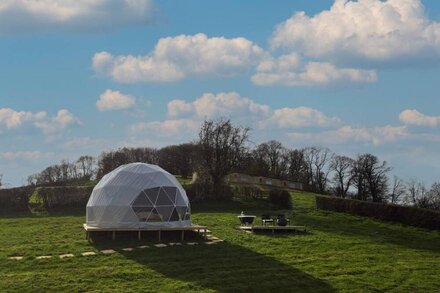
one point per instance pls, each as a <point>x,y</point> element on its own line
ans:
<point>280,199</point>
<point>198,191</point>
<point>15,199</point>
<point>63,196</point>
<point>412,216</point>
<point>248,192</point>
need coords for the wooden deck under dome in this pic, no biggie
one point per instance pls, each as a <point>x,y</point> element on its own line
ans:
<point>202,230</point>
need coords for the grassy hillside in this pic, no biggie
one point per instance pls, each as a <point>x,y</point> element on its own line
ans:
<point>340,253</point>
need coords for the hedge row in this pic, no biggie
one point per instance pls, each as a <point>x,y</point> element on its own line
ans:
<point>21,198</point>
<point>58,197</point>
<point>412,216</point>
<point>15,199</point>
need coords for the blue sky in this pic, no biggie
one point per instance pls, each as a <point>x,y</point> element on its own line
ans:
<point>354,76</point>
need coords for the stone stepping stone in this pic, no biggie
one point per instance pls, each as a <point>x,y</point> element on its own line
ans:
<point>127,249</point>
<point>66,255</point>
<point>211,242</point>
<point>15,257</point>
<point>108,251</point>
<point>89,253</point>
<point>174,243</point>
<point>213,238</point>
<point>143,246</point>
<point>192,243</point>
<point>160,245</point>
<point>44,257</point>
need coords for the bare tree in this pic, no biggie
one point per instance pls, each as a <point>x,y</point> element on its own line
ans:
<point>397,190</point>
<point>86,165</point>
<point>342,167</point>
<point>318,168</point>
<point>419,196</point>
<point>415,191</point>
<point>272,159</point>
<point>1,178</point>
<point>371,177</point>
<point>178,159</point>
<point>297,166</point>
<point>108,161</point>
<point>434,196</point>
<point>222,148</point>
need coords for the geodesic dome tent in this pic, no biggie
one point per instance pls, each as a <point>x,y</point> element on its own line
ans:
<point>138,195</point>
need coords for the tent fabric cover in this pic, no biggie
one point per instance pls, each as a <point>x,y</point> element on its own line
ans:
<point>138,195</point>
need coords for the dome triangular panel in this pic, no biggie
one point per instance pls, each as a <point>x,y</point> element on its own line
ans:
<point>163,199</point>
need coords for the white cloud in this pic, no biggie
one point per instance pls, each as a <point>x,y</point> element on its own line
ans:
<point>349,134</point>
<point>25,155</point>
<point>176,58</point>
<point>72,15</point>
<point>167,128</point>
<point>288,70</point>
<point>211,105</point>
<point>184,118</point>
<point>57,123</point>
<point>414,117</point>
<point>362,30</point>
<point>82,143</point>
<point>13,119</point>
<point>299,117</point>
<point>114,100</point>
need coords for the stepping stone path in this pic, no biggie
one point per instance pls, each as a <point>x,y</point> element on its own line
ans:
<point>44,257</point>
<point>212,240</point>
<point>89,253</point>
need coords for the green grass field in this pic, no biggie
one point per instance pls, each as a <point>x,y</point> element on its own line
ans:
<point>340,253</point>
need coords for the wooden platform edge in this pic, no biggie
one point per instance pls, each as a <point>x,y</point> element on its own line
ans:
<point>194,228</point>
<point>272,228</point>
<point>151,229</point>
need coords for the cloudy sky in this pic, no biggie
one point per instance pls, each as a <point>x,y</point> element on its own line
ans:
<point>80,77</point>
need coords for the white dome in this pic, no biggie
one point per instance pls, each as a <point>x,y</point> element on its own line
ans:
<point>138,195</point>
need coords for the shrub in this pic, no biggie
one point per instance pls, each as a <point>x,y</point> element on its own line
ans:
<point>412,216</point>
<point>280,198</point>
<point>248,192</point>
<point>15,199</point>
<point>204,191</point>
<point>63,196</point>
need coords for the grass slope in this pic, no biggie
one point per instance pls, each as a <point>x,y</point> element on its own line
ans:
<point>340,253</point>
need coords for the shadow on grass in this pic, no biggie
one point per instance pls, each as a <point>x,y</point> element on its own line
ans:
<point>372,230</point>
<point>225,267</point>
